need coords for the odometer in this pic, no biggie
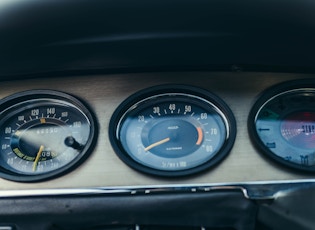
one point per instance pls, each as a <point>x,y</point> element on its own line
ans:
<point>172,130</point>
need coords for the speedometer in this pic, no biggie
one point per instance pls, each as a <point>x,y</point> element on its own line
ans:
<point>172,130</point>
<point>44,134</point>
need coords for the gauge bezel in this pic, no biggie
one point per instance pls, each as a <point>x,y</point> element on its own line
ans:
<point>223,110</point>
<point>10,104</point>
<point>263,98</point>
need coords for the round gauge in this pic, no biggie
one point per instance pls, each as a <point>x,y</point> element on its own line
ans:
<point>172,130</point>
<point>44,134</point>
<point>282,124</point>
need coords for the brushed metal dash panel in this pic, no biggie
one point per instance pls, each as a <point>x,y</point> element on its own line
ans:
<point>104,93</point>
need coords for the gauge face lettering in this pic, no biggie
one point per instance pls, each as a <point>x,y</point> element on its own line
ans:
<point>282,124</point>
<point>185,139</point>
<point>171,133</point>
<point>43,135</point>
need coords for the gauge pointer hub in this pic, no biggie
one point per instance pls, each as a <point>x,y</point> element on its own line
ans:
<point>71,142</point>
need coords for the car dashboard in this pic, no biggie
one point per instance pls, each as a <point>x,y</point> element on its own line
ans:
<point>112,62</point>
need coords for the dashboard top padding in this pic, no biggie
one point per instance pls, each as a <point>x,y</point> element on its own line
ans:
<point>56,36</point>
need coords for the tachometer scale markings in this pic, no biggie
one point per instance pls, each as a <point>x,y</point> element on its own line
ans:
<point>176,142</point>
<point>200,136</point>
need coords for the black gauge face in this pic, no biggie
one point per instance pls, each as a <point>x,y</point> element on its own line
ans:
<point>172,130</point>
<point>282,124</point>
<point>43,134</point>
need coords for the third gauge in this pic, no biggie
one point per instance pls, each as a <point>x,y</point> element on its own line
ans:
<point>172,130</point>
<point>282,124</point>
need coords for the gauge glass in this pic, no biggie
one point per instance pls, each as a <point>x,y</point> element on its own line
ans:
<point>44,136</point>
<point>173,132</point>
<point>284,127</point>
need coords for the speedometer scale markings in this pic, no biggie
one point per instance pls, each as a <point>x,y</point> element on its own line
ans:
<point>172,133</point>
<point>43,135</point>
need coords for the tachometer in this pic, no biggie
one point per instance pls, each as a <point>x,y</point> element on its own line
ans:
<point>44,133</point>
<point>282,124</point>
<point>172,130</point>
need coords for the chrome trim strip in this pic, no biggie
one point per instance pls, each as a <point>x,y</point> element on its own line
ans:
<point>251,190</point>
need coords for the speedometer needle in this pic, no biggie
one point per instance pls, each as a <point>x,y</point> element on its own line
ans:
<point>38,157</point>
<point>157,144</point>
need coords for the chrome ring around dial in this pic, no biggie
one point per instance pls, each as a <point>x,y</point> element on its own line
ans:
<point>44,134</point>
<point>282,124</point>
<point>172,130</point>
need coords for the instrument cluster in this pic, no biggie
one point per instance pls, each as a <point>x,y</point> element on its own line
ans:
<point>166,131</point>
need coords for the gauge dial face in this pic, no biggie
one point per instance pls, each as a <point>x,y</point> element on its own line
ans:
<point>174,132</point>
<point>282,124</point>
<point>43,134</point>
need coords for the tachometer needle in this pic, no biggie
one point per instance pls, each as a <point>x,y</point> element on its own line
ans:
<point>157,144</point>
<point>38,157</point>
